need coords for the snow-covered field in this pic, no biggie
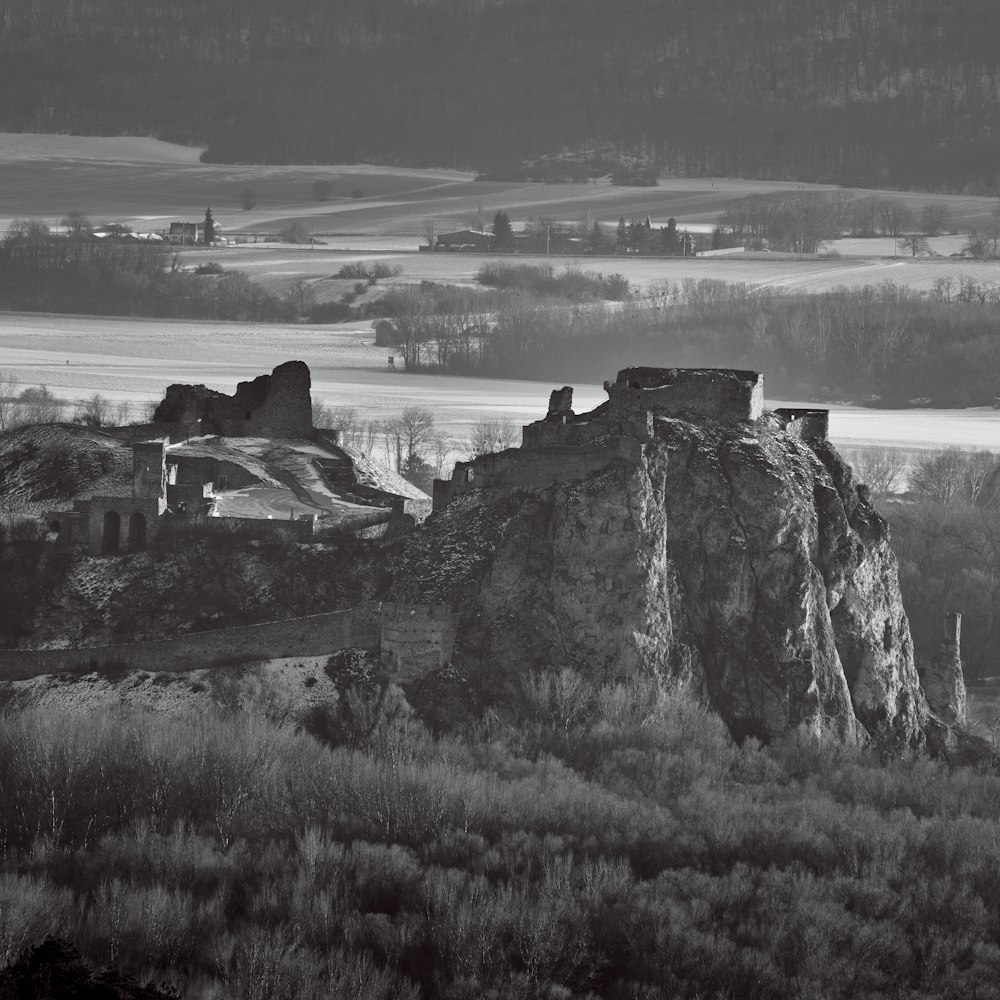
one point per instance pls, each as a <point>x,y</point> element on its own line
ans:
<point>148,183</point>
<point>126,359</point>
<point>646,274</point>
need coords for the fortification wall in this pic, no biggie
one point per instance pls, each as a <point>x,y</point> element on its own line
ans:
<point>536,468</point>
<point>714,394</point>
<point>123,524</point>
<point>149,470</point>
<point>417,638</point>
<point>311,636</point>
<point>279,405</point>
<point>805,424</point>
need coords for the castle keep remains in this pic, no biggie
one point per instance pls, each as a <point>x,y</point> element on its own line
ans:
<point>566,446</point>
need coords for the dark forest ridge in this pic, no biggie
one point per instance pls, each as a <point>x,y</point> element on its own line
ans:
<point>872,93</point>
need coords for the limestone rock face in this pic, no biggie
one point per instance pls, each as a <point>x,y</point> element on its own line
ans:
<point>732,555</point>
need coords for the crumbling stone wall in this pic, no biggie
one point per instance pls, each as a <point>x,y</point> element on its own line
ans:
<point>278,405</point>
<point>534,469</point>
<point>805,424</point>
<point>123,524</point>
<point>721,394</point>
<point>149,469</point>
<point>417,638</point>
<point>314,635</point>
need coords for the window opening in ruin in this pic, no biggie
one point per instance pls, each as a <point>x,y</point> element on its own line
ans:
<point>112,531</point>
<point>137,533</point>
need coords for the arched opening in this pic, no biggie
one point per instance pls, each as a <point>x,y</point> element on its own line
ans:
<point>137,532</point>
<point>112,532</point>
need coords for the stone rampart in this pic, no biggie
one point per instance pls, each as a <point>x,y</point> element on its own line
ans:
<point>311,636</point>
<point>535,468</point>
<point>721,394</point>
<point>123,524</point>
<point>417,638</point>
<point>805,424</point>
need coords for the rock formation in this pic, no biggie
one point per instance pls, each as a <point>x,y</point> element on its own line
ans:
<point>678,529</point>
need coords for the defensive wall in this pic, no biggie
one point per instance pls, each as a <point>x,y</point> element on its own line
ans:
<point>278,405</point>
<point>413,639</point>
<point>805,424</point>
<point>536,468</point>
<point>722,394</point>
<point>566,446</point>
<point>417,638</point>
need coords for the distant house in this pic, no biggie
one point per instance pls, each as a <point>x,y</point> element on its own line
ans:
<point>464,239</point>
<point>185,233</point>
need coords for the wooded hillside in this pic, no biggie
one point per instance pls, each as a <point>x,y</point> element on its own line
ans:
<point>862,92</point>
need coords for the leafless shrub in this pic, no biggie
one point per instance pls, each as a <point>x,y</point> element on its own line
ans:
<point>492,434</point>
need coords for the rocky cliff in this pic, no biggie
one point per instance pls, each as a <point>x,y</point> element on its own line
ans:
<point>725,549</point>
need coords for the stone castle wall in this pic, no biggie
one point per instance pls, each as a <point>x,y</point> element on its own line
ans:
<point>537,468</point>
<point>311,636</point>
<point>720,394</point>
<point>417,639</point>
<point>414,639</point>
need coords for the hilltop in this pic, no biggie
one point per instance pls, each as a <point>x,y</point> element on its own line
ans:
<point>863,93</point>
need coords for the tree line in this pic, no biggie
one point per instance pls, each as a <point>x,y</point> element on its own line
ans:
<point>882,345</point>
<point>866,93</point>
<point>43,272</point>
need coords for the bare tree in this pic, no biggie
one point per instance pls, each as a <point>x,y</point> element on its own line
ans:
<point>933,218</point>
<point>429,231</point>
<point>8,402</point>
<point>954,475</point>
<point>893,217</point>
<point>76,224</point>
<point>93,412</point>
<point>322,190</point>
<point>881,468</point>
<point>490,435</point>
<point>39,405</point>
<point>408,435</point>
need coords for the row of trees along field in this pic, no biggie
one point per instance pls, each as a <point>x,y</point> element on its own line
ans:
<point>43,272</point>
<point>882,343</point>
<point>873,93</point>
<point>591,842</point>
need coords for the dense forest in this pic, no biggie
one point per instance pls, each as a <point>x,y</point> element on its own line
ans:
<point>862,92</point>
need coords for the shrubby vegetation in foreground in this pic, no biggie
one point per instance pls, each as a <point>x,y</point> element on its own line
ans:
<point>610,843</point>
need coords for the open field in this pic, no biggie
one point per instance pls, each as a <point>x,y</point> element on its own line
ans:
<point>647,274</point>
<point>149,183</point>
<point>126,359</point>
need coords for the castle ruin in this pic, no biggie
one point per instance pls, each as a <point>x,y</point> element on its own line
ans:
<point>569,446</point>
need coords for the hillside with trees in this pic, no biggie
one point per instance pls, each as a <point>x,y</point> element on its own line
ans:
<point>875,93</point>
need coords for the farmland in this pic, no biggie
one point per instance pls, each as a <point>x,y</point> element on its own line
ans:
<point>146,182</point>
<point>380,213</point>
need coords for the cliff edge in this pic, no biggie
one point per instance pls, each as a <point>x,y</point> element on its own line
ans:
<point>679,529</point>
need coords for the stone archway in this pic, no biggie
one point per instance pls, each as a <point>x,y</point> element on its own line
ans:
<point>137,532</point>
<point>112,533</point>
